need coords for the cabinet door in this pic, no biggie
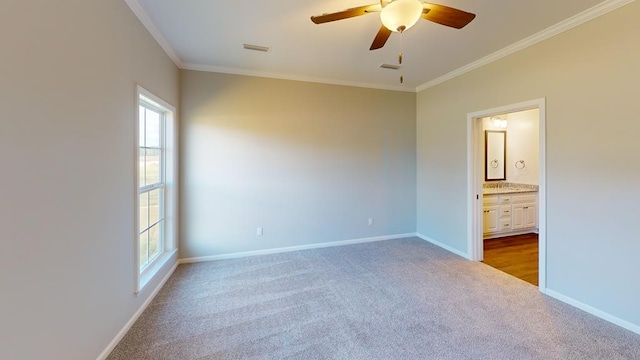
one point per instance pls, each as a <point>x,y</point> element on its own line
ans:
<point>531,216</point>
<point>517,217</point>
<point>490,217</point>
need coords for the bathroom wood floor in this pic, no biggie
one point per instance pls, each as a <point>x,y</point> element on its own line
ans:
<point>515,255</point>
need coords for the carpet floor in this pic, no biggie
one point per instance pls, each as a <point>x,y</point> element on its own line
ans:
<point>396,299</point>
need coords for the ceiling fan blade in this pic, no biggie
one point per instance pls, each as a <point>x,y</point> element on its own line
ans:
<point>447,16</point>
<point>345,14</point>
<point>381,38</point>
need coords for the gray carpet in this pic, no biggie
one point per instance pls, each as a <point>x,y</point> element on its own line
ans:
<point>398,299</point>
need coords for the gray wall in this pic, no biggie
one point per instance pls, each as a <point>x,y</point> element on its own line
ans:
<point>67,79</point>
<point>310,163</point>
<point>590,77</point>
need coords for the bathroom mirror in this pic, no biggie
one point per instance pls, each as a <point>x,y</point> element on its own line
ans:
<point>495,155</point>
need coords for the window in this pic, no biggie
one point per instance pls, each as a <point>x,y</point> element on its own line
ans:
<point>150,183</point>
<point>155,186</point>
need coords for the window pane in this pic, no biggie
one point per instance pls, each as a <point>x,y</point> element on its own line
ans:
<point>154,206</point>
<point>154,241</point>
<point>153,128</point>
<point>144,249</point>
<point>142,179</point>
<point>152,166</point>
<point>144,211</point>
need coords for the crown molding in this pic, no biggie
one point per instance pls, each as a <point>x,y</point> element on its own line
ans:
<point>265,74</point>
<point>146,21</point>
<point>579,19</point>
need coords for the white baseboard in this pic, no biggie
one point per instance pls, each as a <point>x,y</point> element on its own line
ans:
<point>593,311</point>
<point>135,316</point>
<point>292,248</point>
<point>446,247</point>
<point>509,233</point>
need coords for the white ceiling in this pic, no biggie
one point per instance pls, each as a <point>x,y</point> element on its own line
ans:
<point>208,35</point>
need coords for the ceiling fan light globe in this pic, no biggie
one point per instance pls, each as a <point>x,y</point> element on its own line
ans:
<point>401,13</point>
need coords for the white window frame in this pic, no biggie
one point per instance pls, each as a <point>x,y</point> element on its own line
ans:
<point>169,187</point>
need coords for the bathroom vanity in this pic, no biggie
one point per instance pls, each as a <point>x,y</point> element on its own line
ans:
<point>509,211</point>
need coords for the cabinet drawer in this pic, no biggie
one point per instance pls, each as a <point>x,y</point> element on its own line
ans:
<point>489,200</point>
<point>505,224</point>
<point>505,199</point>
<point>521,199</point>
<point>505,211</point>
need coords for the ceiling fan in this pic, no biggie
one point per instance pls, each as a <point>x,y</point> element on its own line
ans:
<point>400,15</point>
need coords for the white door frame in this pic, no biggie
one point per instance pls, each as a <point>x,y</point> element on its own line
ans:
<point>475,147</point>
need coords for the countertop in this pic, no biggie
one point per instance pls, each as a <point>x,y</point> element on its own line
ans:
<point>492,191</point>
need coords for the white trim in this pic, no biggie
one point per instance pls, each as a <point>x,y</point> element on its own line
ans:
<point>149,96</point>
<point>568,24</point>
<point>594,311</point>
<point>146,21</point>
<point>105,353</point>
<point>293,248</point>
<point>145,277</point>
<point>510,233</point>
<point>474,184</point>
<point>473,227</point>
<point>446,247</point>
<point>266,74</point>
<point>151,187</point>
<point>542,196</point>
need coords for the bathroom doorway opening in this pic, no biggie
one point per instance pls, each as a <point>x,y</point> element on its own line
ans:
<point>507,192</point>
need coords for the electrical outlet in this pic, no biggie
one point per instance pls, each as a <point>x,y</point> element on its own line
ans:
<point>370,221</point>
<point>259,231</point>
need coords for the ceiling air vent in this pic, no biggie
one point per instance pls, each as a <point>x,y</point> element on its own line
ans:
<point>390,66</point>
<point>255,47</point>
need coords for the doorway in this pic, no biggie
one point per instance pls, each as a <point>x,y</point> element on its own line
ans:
<point>516,211</point>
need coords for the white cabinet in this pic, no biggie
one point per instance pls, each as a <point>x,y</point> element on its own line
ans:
<point>525,216</point>
<point>490,214</point>
<point>509,214</point>
<point>518,217</point>
<point>531,216</point>
<point>490,219</point>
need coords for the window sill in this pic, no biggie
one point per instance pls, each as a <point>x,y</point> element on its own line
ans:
<point>149,273</point>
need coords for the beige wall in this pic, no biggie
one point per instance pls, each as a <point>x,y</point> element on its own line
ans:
<point>310,163</point>
<point>590,77</point>
<point>67,79</point>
